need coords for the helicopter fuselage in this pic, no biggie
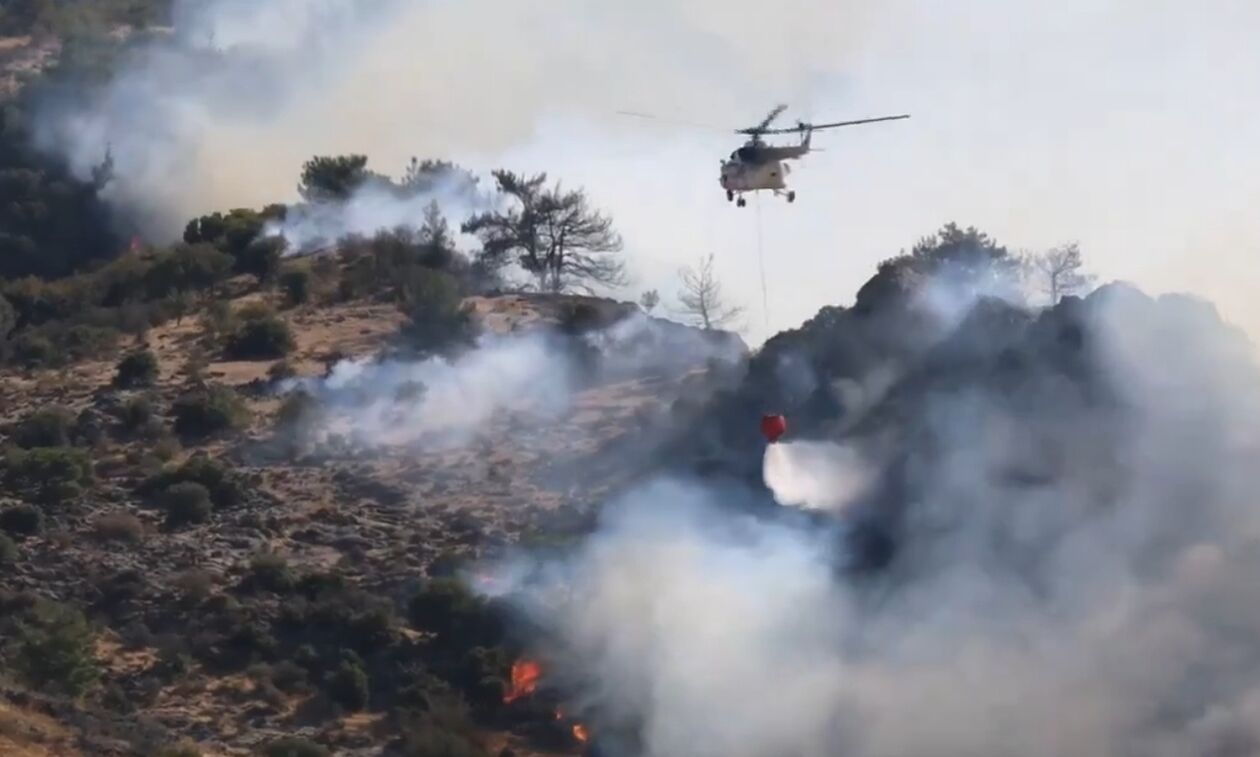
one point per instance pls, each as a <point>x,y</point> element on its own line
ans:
<point>740,177</point>
<point>757,166</point>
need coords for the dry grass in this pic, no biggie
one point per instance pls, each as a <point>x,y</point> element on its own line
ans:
<point>27,734</point>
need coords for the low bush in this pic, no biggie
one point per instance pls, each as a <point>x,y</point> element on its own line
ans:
<point>225,487</point>
<point>270,572</point>
<point>139,369</point>
<point>296,285</point>
<point>186,503</point>
<point>348,687</point>
<point>119,527</point>
<point>288,676</point>
<point>446,607</point>
<point>260,337</point>
<point>21,520</point>
<point>138,417</point>
<point>194,585</point>
<point>207,411</point>
<point>46,427</point>
<point>436,317</point>
<point>55,650</point>
<point>50,476</point>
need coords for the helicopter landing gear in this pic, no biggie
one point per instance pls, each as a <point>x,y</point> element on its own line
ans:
<point>729,195</point>
<point>791,196</point>
<point>741,202</point>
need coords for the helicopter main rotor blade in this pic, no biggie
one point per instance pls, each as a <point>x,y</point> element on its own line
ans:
<point>815,127</point>
<point>778,111</point>
<point>765,122</point>
<point>650,117</point>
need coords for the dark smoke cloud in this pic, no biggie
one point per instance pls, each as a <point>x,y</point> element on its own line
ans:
<point>1074,572</point>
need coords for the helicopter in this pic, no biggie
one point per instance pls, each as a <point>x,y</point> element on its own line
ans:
<point>758,166</point>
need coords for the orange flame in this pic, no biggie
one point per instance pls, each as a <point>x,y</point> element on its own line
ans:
<point>579,731</point>
<point>525,675</point>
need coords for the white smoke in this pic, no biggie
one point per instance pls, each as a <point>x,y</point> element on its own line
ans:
<point>1110,609</point>
<point>816,475</point>
<point>373,208</point>
<point>441,401</point>
<point>531,375</point>
<point>223,112</point>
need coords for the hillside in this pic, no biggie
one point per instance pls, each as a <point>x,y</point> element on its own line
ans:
<point>375,515</point>
<point>501,523</point>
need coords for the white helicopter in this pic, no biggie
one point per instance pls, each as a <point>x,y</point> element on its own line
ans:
<point>757,166</point>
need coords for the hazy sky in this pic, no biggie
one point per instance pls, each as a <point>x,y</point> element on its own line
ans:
<point>1128,126</point>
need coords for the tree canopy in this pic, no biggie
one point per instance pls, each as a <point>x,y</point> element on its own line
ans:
<point>551,233</point>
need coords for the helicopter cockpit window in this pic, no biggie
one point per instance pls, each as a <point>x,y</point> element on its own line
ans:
<point>735,155</point>
<point>744,153</point>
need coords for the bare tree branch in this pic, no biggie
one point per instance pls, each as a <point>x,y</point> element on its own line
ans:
<point>1057,271</point>
<point>701,297</point>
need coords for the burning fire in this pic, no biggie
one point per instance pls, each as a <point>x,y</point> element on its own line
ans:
<point>525,675</point>
<point>579,731</point>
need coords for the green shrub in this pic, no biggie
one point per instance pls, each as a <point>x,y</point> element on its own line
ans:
<point>186,268</point>
<point>82,341</point>
<point>51,475</point>
<point>137,369</point>
<point>294,746</point>
<point>288,676</point>
<point>271,572</point>
<point>348,687</point>
<point>264,337</point>
<point>33,350</point>
<point>296,285</point>
<point>446,607</point>
<point>208,411</point>
<point>436,318</point>
<point>8,550</point>
<point>138,417</point>
<point>186,503</point>
<point>225,487</point>
<point>219,319</point>
<point>22,520</point>
<point>179,750</point>
<point>261,258</point>
<point>55,651</point>
<point>47,427</point>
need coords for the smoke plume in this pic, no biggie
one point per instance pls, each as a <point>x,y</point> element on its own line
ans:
<point>223,111</point>
<point>440,401</point>
<point>375,207</point>
<point>1074,574</point>
<point>532,375</point>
